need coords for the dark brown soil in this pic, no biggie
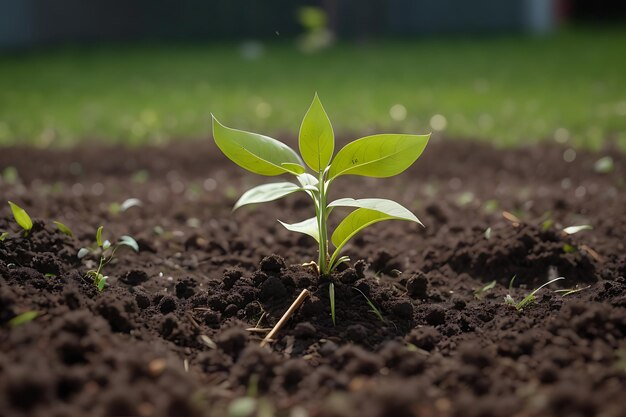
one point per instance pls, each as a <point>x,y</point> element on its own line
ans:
<point>167,337</point>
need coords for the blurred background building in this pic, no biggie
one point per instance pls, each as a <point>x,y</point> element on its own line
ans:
<point>26,23</point>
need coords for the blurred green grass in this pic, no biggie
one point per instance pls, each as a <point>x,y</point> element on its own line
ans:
<point>513,90</point>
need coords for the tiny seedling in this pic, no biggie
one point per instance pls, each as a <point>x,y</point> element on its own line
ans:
<point>484,289</point>
<point>63,228</point>
<point>530,298</point>
<point>23,318</point>
<point>3,235</point>
<point>106,251</point>
<point>331,293</point>
<point>21,218</point>
<point>377,156</point>
<point>512,281</point>
<point>568,291</point>
<point>374,310</point>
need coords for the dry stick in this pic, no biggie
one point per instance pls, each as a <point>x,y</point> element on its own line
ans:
<point>294,306</point>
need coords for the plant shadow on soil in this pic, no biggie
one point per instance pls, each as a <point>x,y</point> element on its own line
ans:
<point>168,336</point>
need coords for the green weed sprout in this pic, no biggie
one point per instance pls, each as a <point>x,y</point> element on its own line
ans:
<point>377,156</point>
<point>63,228</point>
<point>530,298</point>
<point>21,218</point>
<point>484,289</point>
<point>106,251</point>
<point>23,318</point>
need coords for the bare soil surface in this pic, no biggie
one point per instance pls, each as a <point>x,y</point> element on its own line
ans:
<point>169,335</point>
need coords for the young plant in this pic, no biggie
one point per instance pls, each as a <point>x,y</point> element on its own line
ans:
<point>63,228</point>
<point>530,298</point>
<point>106,252</point>
<point>23,318</point>
<point>484,289</point>
<point>377,156</point>
<point>21,218</point>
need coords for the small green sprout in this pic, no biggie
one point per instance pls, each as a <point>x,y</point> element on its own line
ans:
<point>567,248</point>
<point>63,228</point>
<point>21,217</point>
<point>374,310</point>
<point>377,156</point>
<point>3,236</point>
<point>331,293</point>
<point>23,318</point>
<point>530,298</point>
<point>512,281</point>
<point>568,291</point>
<point>106,251</point>
<point>483,290</point>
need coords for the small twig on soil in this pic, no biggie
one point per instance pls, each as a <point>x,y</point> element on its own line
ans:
<point>515,221</point>
<point>193,321</point>
<point>595,255</point>
<point>294,306</point>
<point>258,330</point>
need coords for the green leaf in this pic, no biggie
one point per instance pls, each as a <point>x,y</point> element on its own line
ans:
<point>307,179</point>
<point>101,282</point>
<point>63,228</point>
<point>266,192</point>
<point>388,207</point>
<point>294,169</point>
<point>3,236</point>
<point>317,140</point>
<point>308,227</point>
<point>21,217</point>
<point>331,295</point>
<point>356,221</point>
<point>23,318</point>
<point>256,153</point>
<point>99,236</point>
<point>378,156</point>
<point>130,242</point>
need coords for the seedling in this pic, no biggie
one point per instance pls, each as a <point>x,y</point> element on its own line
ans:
<point>21,218</point>
<point>568,291</point>
<point>23,318</point>
<point>106,252</point>
<point>331,293</point>
<point>530,298</point>
<point>3,235</point>
<point>374,310</point>
<point>377,156</point>
<point>484,289</point>
<point>63,228</point>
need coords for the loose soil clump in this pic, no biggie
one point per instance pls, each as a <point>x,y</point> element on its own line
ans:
<point>176,331</point>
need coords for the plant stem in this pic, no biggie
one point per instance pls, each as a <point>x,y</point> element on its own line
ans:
<point>322,221</point>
